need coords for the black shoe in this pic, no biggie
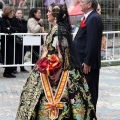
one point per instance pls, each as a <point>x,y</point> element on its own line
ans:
<point>12,76</point>
<point>15,72</point>
<point>7,75</point>
<point>24,70</point>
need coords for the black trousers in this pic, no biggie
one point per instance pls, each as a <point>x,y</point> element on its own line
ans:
<point>93,83</point>
<point>8,70</point>
<point>92,80</point>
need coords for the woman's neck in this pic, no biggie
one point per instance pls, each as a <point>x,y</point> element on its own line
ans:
<point>37,18</point>
<point>53,23</point>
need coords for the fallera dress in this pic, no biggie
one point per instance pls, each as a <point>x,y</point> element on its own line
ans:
<point>66,99</point>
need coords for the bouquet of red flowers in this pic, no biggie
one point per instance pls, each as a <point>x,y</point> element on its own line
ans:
<point>49,65</point>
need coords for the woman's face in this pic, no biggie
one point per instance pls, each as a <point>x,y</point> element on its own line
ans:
<point>37,14</point>
<point>11,15</point>
<point>51,19</point>
<point>19,14</point>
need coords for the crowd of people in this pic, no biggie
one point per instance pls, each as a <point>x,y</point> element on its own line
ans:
<point>12,21</point>
<point>64,83</point>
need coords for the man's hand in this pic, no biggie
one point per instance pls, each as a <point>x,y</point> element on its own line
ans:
<point>86,68</point>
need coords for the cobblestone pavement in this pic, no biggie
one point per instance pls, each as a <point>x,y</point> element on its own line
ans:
<point>108,107</point>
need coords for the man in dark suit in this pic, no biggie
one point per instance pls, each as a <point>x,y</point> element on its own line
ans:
<point>88,45</point>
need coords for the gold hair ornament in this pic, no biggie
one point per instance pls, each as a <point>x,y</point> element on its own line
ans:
<point>56,7</point>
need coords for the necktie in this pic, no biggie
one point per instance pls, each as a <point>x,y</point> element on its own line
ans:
<point>83,20</point>
<point>82,23</point>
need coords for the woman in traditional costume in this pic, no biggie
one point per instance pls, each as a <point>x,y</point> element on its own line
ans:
<point>56,88</point>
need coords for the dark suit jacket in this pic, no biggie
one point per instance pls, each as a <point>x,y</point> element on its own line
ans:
<point>88,41</point>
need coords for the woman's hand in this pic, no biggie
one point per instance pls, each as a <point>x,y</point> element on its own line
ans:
<point>42,29</point>
<point>41,21</point>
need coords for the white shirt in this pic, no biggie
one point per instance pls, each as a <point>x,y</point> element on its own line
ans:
<point>86,15</point>
<point>1,12</point>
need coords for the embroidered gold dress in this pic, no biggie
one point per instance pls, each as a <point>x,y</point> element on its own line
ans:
<point>66,99</point>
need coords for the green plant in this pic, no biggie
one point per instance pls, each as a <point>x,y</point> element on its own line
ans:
<point>114,63</point>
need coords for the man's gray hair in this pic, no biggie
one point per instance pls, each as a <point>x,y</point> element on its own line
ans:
<point>94,3</point>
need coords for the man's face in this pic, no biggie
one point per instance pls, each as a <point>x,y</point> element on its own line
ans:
<point>85,5</point>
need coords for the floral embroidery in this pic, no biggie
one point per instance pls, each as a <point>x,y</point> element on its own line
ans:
<point>77,101</point>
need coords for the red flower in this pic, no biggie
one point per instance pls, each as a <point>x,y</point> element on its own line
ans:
<point>82,24</point>
<point>49,65</point>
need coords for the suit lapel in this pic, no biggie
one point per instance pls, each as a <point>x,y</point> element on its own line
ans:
<point>90,15</point>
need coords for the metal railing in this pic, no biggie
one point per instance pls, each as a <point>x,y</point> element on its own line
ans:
<point>29,39</point>
<point>112,51</point>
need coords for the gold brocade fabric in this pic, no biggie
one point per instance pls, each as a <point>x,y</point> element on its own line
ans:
<point>30,95</point>
<point>32,89</point>
<point>50,36</point>
<point>76,99</point>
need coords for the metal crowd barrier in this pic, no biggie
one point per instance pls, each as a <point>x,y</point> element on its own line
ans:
<point>112,50</point>
<point>29,39</point>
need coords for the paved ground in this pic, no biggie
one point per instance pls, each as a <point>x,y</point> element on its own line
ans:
<point>108,107</point>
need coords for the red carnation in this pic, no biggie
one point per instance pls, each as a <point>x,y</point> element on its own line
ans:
<point>82,24</point>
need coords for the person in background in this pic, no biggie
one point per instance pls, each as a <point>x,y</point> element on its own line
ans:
<point>88,45</point>
<point>7,27</point>
<point>1,8</point>
<point>74,27</point>
<point>98,9</point>
<point>56,88</point>
<point>103,47</point>
<point>34,25</point>
<point>1,11</point>
<point>21,27</point>
<point>103,43</point>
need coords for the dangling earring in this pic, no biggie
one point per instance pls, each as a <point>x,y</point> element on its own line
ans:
<point>55,20</point>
